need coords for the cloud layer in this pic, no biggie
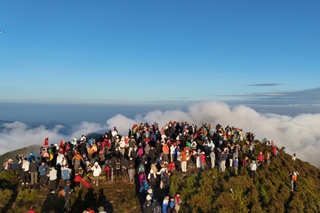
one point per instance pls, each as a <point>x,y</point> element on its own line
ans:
<point>299,134</point>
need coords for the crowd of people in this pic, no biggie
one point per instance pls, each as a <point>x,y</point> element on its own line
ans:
<point>146,156</point>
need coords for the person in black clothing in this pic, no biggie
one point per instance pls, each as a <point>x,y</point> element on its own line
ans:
<point>117,169</point>
<point>67,196</point>
<point>33,169</point>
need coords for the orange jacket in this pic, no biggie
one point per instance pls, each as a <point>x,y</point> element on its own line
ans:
<point>165,149</point>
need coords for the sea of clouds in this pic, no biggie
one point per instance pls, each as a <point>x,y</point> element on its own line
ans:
<point>298,134</point>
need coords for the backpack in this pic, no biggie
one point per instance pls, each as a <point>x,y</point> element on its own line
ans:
<point>141,169</point>
<point>118,166</point>
<point>294,177</point>
<point>63,192</point>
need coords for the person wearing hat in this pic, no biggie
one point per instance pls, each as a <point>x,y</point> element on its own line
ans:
<point>96,173</point>
<point>67,196</point>
<point>101,209</point>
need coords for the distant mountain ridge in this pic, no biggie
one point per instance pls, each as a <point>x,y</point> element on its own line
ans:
<point>50,125</point>
<point>25,151</point>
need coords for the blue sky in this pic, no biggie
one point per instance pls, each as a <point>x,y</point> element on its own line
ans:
<point>104,52</point>
<point>145,61</point>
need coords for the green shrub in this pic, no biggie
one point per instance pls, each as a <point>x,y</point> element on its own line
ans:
<point>5,196</point>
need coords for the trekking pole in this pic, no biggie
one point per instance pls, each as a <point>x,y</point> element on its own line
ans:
<point>69,198</point>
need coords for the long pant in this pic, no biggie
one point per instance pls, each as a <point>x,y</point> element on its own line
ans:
<point>198,162</point>
<point>25,177</point>
<point>96,180</point>
<point>43,179</point>
<point>171,157</point>
<point>235,170</point>
<point>213,162</point>
<point>34,177</point>
<point>166,157</point>
<point>178,165</point>
<point>252,174</point>
<point>118,174</point>
<point>222,166</point>
<point>53,185</point>
<point>203,165</point>
<point>230,162</point>
<point>131,174</point>
<point>184,166</point>
<point>292,185</point>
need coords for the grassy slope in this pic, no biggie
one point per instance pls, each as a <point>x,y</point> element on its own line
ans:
<point>270,191</point>
<point>115,196</point>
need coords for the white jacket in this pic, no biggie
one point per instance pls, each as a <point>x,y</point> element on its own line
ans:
<point>96,170</point>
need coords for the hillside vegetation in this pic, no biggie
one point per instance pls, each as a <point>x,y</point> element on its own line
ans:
<point>270,191</point>
<point>201,191</point>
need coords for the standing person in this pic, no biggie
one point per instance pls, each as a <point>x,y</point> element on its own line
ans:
<point>235,165</point>
<point>294,157</point>
<point>165,204</point>
<point>66,173</point>
<point>131,170</point>
<point>152,176</point>
<point>260,158</point>
<point>223,159</point>
<point>293,178</point>
<point>67,196</point>
<point>251,148</point>
<point>177,201</point>
<point>172,152</point>
<point>96,173</point>
<point>43,171</point>
<point>171,207</point>
<point>52,179</point>
<point>25,171</point>
<point>117,170</point>
<point>124,168</point>
<point>141,173</point>
<point>202,160</point>
<point>183,161</point>
<point>166,151</point>
<point>253,168</point>
<point>107,170</point>
<point>77,160</point>
<point>268,156</point>
<point>153,155</point>
<point>33,168</point>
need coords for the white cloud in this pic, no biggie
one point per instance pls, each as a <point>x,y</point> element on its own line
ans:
<point>299,134</point>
